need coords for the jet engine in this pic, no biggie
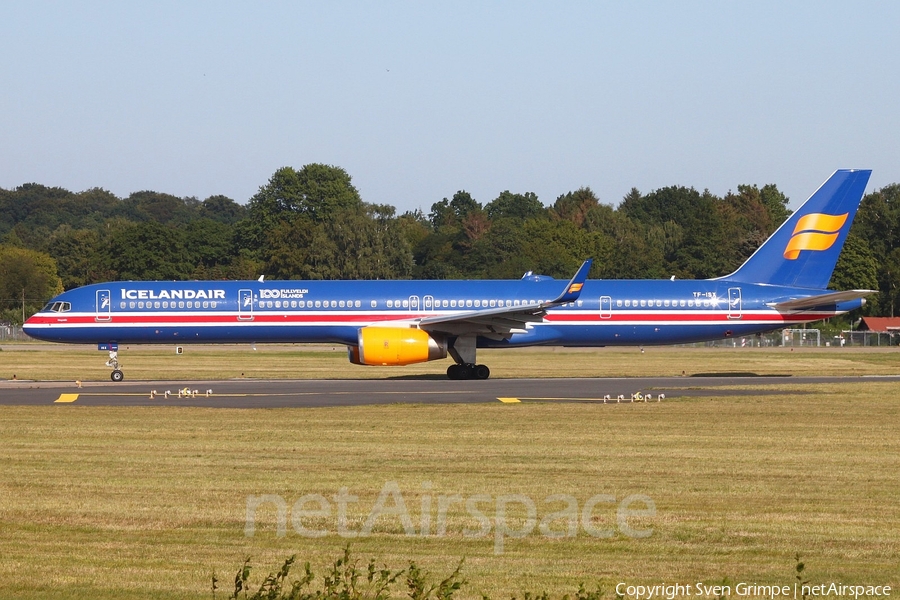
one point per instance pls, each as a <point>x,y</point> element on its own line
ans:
<point>396,346</point>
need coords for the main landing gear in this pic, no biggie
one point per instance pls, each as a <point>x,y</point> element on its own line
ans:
<point>463,352</point>
<point>468,371</point>
<point>117,375</point>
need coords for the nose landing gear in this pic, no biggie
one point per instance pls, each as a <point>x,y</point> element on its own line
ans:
<point>117,375</point>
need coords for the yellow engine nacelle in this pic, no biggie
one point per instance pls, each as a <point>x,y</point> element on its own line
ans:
<point>396,346</point>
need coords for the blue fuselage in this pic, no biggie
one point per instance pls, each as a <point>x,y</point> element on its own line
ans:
<point>607,312</point>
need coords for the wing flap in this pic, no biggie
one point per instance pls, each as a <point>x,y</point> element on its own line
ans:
<point>504,321</point>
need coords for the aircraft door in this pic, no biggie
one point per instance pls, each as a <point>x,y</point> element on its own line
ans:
<point>428,302</point>
<point>245,305</point>
<point>605,307</point>
<point>734,303</point>
<point>104,305</point>
<point>413,303</point>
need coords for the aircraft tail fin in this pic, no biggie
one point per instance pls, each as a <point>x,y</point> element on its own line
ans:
<point>804,250</point>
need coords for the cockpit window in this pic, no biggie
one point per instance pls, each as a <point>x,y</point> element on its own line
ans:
<point>58,307</point>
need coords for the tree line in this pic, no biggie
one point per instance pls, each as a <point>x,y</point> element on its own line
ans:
<point>311,223</point>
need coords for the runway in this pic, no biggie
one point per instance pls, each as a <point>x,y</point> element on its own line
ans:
<point>244,393</point>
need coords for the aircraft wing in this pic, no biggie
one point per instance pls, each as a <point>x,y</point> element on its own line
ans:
<point>502,322</point>
<point>820,300</point>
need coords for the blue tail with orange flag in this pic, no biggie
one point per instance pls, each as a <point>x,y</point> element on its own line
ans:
<point>804,250</point>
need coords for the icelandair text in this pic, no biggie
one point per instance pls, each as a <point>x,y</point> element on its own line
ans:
<point>173,294</point>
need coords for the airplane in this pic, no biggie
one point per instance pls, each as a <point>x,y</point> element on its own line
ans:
<point>784,283</point>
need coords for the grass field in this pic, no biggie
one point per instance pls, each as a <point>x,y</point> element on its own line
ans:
<point>61,362</point>
<point>148,502</point>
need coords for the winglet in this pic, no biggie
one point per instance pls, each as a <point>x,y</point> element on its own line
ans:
<point>573,288</point>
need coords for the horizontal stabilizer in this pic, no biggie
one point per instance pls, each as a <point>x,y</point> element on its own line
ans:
<point>821,300</point>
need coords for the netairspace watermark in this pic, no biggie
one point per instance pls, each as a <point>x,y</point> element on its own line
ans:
<point>672,591</point>
<point>504,516</point>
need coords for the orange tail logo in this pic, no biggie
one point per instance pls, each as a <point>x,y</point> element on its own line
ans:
<point>575,287</point>
<point>815,231</point>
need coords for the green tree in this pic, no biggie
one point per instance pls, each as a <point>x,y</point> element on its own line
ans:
<point>27,280</point>
<point>77,254</point>
<point>146,251</point>
<point>161,208</point>
<point>703,247</point>
<point>208,243</point>
<point>316,192</point>
<point>878,223</point>
<point>357,243</point>
<point>776,204</point>
<point>856,267</point>
<point>222,209</point>
<point>515,206</point>
<point>575,206</point>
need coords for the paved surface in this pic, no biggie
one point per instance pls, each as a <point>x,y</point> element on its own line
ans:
<point>317,393</point>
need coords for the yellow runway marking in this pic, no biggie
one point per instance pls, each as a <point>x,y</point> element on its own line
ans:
<point>67,398</point>
<point>508,400</point>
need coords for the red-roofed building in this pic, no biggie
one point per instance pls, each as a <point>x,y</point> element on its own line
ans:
<point>880,324</point>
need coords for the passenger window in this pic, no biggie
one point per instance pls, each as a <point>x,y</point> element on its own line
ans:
<point>122,304</point>
<point>374,304</point>
<point>468,304</point>
<point>628,303</point>
<point>643,303</point>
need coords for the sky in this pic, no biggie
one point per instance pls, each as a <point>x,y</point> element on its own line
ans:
<point>416,100</point>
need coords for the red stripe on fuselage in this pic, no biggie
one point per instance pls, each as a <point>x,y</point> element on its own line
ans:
<point>562,318</point>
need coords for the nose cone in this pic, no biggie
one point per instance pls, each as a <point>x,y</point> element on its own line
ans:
<point>30,326</point>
